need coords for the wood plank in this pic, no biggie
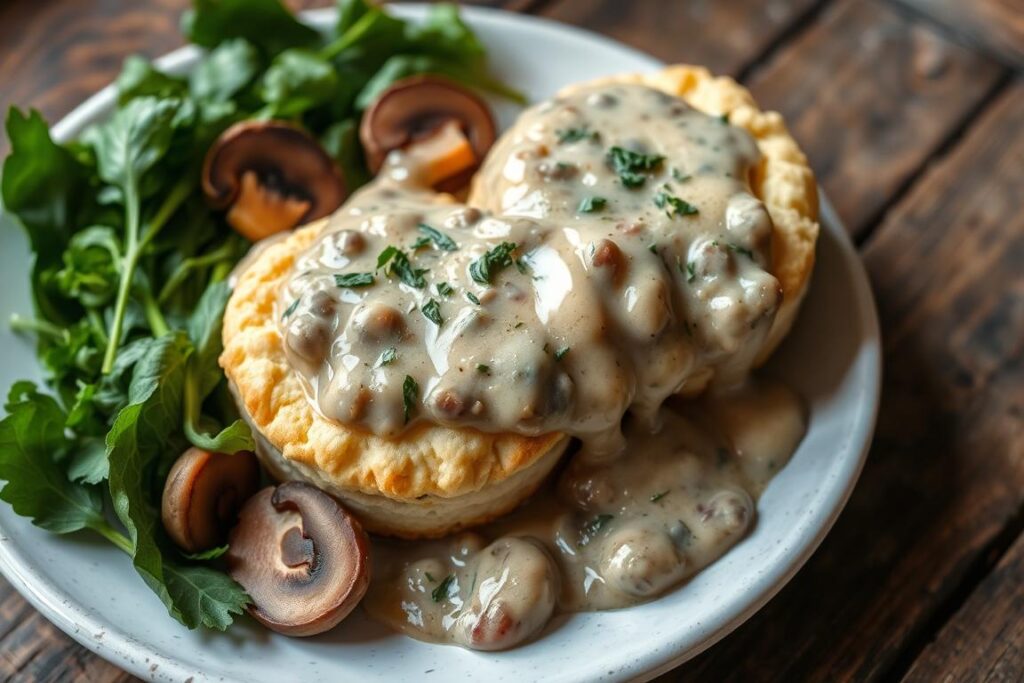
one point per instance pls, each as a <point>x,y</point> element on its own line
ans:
<point>59,52</point>
<point>985,639</point>
<point>871,94</point>
<point>946,472</point>
<point>724,36</point>
<point>997,25</point>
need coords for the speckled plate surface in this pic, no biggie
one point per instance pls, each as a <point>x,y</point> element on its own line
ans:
<point>88,588</point>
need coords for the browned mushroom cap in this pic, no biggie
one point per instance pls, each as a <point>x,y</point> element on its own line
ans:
<point>417,108</point>
<point>301,557</point>
<point>202,495</point>
<point>271,176</point>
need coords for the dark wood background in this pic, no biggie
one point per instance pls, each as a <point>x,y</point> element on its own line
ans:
<point>912,112</point>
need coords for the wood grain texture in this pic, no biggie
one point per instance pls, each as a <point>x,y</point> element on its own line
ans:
<point>724,36</point>
<point>870,94</point>
<point>946,472</point>
<point>996,25</point>
<point>985,640</point>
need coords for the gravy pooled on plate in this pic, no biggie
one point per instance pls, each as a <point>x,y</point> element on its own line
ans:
<point>618,258</point>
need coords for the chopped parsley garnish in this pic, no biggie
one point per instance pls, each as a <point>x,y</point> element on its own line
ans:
<point>354,280</point>
<point>472,298</point>
<point>519,324</point>
<point>444,289</point>
<point>291,309</point>
<point>658,496</point>
<point>653,248</point>
<point>560,353</point>
<point>724,118</point>
<point>679,177</point>
<point>739,249</point>
<point>576,134</point>
<point>420,243</point>
<point>592,204</point>
<point>691,272</point>
<point>442,592</point>
<point>430,577</point>
<point>410,395</point>
<point>397,263</point>
<point>485,267</point>
<point>674,206</point>
<point>388,355</point>
<point>632,167</point>
<point>440,240</point>
<point>594,526</point>
<point>432,312</point>
<point>483,369</point>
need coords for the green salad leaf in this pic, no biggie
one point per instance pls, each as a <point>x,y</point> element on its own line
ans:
<point>131,266</point>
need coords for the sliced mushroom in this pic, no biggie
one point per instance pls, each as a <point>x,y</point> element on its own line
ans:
<point>451,126</point>
<point>270,176</point>
<point>302,558</point>
<point>202,496</point>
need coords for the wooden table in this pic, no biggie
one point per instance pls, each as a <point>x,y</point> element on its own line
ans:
<point>912,112</point>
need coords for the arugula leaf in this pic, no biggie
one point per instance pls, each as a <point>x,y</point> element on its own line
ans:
<point>33,445</point>
<point>89,462</point>
<point>297,80</point>
<point>139,78</point>
<point>137,443</point>
<point>225,71</point>
<point>488,265</point>
<point>267,24</point>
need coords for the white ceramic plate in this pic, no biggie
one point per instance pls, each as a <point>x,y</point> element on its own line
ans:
<point>88,588</point>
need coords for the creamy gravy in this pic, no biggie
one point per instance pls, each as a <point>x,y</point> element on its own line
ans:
<point>627,263</point>
<point>615,534</point>
<point>615,257</point>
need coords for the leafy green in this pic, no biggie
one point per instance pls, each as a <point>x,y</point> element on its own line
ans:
<point>267,24</point>
<point>674,206</point>
<point>354,279</point>
<point>225,72</point>
<point>632,167</point>
<point>396,262</point>
<point>410,396</point>
<point>432,312</point>
<point>297,81</point>
<point>488,265</point>
<point>592,204</point>
<point>440,240</point>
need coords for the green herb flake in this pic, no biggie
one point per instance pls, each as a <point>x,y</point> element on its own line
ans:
<point>560,353</point>
<point>632,167</point>
<point>653,248</point>
<point>444,289</point>
<point>472,298</point>
<point>592,204</point>
<point>679,176</point>
<point>569,135</point>
<point>440,240</point>
<point>674,206</point>
<point>397,263</point>
<point>432,312</point>
<point>483,369</point>
<point>487,266</point>
<point>291,309</point>
<point>724,118</point>
<point>420,243</point>
<point>443,590</point>
<point>740,249</point>
<point>354,280</point>
<point>410,396</point>
<point>430,577</point>
<point>387,356</point>
<point>691,272</point>
<point>658,496</point>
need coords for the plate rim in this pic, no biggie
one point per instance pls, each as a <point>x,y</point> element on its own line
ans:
<point>119,647</point>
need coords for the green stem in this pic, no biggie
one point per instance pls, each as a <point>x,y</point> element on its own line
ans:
<point>154,317</point>
<point>346,39</point>
<point>114,536</point>
<point>186,267</point>
<point>128,263</point>
<point>132,252</point>
<point>38,326</point>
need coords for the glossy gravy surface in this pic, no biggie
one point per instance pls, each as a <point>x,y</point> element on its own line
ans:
<point>620,259</point>
<point>615,257</point>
